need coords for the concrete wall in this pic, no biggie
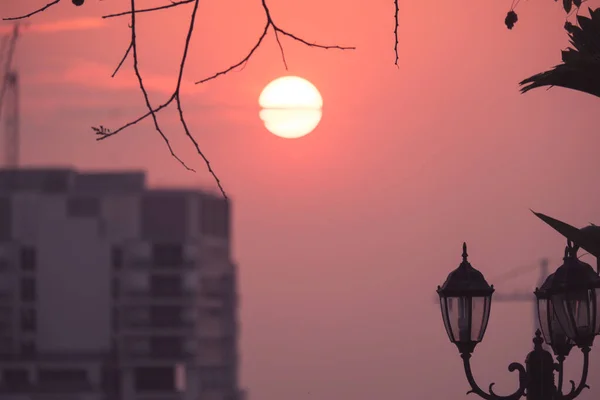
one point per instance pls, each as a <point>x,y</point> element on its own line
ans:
<point>72,275</point>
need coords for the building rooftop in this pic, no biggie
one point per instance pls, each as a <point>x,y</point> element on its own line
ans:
<point>66,179</point>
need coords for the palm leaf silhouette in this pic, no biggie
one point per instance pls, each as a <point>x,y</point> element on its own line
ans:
<point>580,69</point>
<point>587,238</point>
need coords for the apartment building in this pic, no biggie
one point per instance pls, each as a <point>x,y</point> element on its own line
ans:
<point>110,290</point>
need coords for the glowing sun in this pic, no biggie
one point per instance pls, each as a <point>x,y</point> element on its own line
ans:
<point>290,107</point>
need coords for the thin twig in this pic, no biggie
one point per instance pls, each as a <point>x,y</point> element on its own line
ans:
<point>178,98</point>
<point>39,10</point>
<point>396,33</point>
<point>108,133</point>
<point>281,50</point>
<point>173,4</point>
<point>271,24</point>
<point>244,60</point>
<point>188,134</point>
<point>122,60</point>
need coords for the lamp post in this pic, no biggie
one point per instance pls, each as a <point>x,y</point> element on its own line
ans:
<point>568,309</point>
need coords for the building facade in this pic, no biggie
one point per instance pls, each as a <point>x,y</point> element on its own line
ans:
<point>110,290</point>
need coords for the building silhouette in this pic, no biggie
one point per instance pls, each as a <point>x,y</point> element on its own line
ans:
<point>110,290</point>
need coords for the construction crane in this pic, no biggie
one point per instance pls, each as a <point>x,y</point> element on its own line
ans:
<point>517,296</point>
<point>525,296</point>
<point>9,100</point>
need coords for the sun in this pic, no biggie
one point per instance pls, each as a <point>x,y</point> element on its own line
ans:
<point>291,107</point>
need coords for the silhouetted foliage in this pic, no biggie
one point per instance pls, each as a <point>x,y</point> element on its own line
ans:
<point>512,18</point>
<point>580,69</point>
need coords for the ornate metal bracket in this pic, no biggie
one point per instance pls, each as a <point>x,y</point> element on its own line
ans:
<point>536,377</point>
<point>491,395</point>
<point>575,391</point>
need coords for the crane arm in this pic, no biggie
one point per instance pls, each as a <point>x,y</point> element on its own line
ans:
<point>8,63</point>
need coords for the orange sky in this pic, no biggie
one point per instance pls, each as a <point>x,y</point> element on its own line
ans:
<point>343,236</point>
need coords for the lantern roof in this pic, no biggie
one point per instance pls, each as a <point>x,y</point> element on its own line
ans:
<point>465,281</point>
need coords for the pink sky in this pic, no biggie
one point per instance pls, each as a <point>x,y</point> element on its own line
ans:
<point>343,236</point>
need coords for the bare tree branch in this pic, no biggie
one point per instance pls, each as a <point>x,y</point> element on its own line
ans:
<point>39,10</point>
<point>105,133</point>
<point>173,4</point>
<point>143,89</point>
<point>276,30</point>
<point>176,96</point>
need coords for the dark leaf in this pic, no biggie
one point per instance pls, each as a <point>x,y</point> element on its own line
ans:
<point>569,56</point>
<point>585,23</point>
<point>585,238</point>
<point>569,27</point>
<point>577,3</point>
<point>567,5</point>
<point>511,19</point>
<point>580,69</point>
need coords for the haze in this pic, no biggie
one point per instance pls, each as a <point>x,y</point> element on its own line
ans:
<point>343,236</point>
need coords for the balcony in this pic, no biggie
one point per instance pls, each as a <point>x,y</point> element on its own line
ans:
<point>141,322</point>
<point>161,288</point>
<point>149,297</point>
<point>163,257</point>
<point>156,348</point>
<point>49,382</point>
<point>148,264</point>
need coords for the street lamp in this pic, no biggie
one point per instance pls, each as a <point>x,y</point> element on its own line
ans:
<point>567,304</point>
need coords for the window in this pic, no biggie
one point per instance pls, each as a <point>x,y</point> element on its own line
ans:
<point>217,378</point>
<point>166,346</point>
<point>114,288</point>
<point>16,379</point>
<point>148,379</point>
<point>114,346</point>
<point>211,288</point>
<point>167,254</point>
<point>166,286</point>
<point>214,217</point>
<point>216,312</point>
<point>164,216</point>
<point>165,316</point>
<point>83,206</point>
<point>116,258</point>
<point>28,348</point>
<point>28,289</point>
<point>5,218</point>
<point>28,259</point>
<point>217,350</point>
<point>28,320</point>
<point>68,376</point>
<point>110,380</point>
<point>115,318</point>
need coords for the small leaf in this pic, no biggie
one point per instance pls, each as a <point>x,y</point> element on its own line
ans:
<point>567,4</point>
<point>577,3</point>
<point>511,19</point>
